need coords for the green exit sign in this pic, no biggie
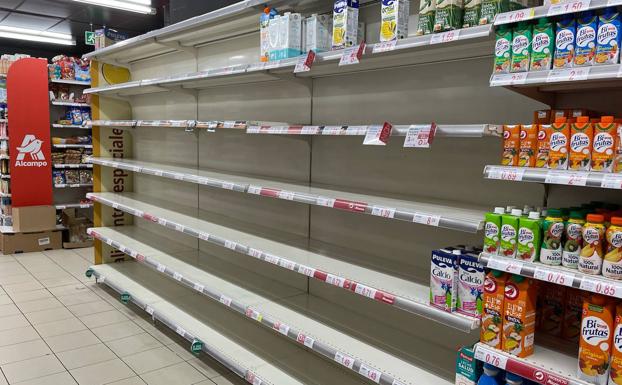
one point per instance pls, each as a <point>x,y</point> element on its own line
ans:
<point>89,37</point>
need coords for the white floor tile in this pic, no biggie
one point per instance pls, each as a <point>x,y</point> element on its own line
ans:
<point>133,344</point>
<point>103,319</point>
<point>8,310</point>
<point>85,356</point>
<point>39,304</point>
<point>31,369</point>
<point>15,336</point>
<point>14,279</point>
<point>56,328</point>
<point>129,381</point>
<point>116,331</point>
<point>71,341</point>
<point>61,291</point>
<point>5,299</point>
<point>153,359</point>
<point>50,315</point>
<point>90,308</point>
<point>179,374</point>
<point>23,351</point>
<point>12,322</point>
<point>27,286</point>
<point>25,296</point>
<point>63,378</point>
<point>103,373</point>
<point>75,299</point>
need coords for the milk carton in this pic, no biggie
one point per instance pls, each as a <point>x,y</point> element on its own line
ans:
<point>427,13</point>
<point>448,15</point>
<point>290,36</point>
<point>317,33</point>
<point>470,285</point>
<point>264,36</point>
<point>443,279</point>
<point>345,23</point>
<point>394,19</point>
<point>468,369</point>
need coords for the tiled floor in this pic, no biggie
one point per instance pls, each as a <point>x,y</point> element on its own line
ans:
<point>57,327</point>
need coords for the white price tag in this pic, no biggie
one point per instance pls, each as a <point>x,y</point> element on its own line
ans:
<point>225,300</point>
<point>162,222</point>
<point>326,202</point>
<point>384,212</point>
<point>515,16</point>
<point>352,55</point>
<point>491,357</point>
<point>308,271</point>
<point>253,129</point>
<point>115,206</point>
<point>204,236</point>
<point>566,177</point>
<point>180,331</point>
<point>508,265</point>
<point>419,136</point>
<point>149,310</point>
<point>254,314</point>
<point>552,276</point>
<point>161,268</point>
<point>384,46</point>
<point>344,360</point>
<point>568,7</point>
<point>356,130</point>
<point>287,195</point>
<point>198,287</point>
<point>289,265</point>
<point>310,130</point>
<point>180,228</point>
<point>596,286</point>
<point>253,379</point>
<point>370,373</point>
<point>378,135</point>
<point>332,130</point>
<point>254,190</point>
<point>230,245</point>
<point>178,176</point>
<point>508,79</point>
<point>177,277</point>
<point>334,280</point>
<point>568,74</point>
<point>445,37</point>
<point>271,259</point>
<point>281,328</point>
<point>254,253</point>
<point>426,219</point>
<point>305,340</point>
<point>158,173</point>
<point>305,62</point>
<point>227,185</point>
<point>507,173</point>
<point>365,291</point>
<point>611,180</point>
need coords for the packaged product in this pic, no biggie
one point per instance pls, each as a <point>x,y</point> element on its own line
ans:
<point>563,56</point>
<point>517,4</point>
<point>521,47</point>
<point>573,239</point>
<point>581,135</point>
<point>528,145</point>
<point>519,312</point>
<point>542,46</point>
<point>591,257</point>
<point>317,33</point>
<point>559,144</point>
<point>608,37</point>
<point>490,9</point>
<point>86,177</point>
<point>448,15</point>
<point>492,316</point>
<point>394,19</point>
<point>472,12</point>
<point>72,176</point>
<point>615,367</point>
<point>552,309</point>
<point>596,339</point>
<point>552,232</point>
<point>585,41</point>
<point>288,36</point>
<point>617,152</point>
<point>573,306</point>
<point>612,264</point>
<point>345,23</point>
<point>503,50</point>
<point>511,145</point>
<point>542,117</point>
<point>443,278</point>
<point>492,227</point>
<point>544,137</point>
<point>560,114</point>
<point>58,176</point>
<point>82,70</point>
<point>529,237</point>
<point>427,14</point>
<point>509,233</point>
<point>470,285</point>
<point>603,145</point>
<point>264,36</point>
<point>468,369</point>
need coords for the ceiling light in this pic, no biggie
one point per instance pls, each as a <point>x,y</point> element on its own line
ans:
<point>140,6</point>
<point>35,35</point>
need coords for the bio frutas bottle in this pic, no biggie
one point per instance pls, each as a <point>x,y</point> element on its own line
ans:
<point>612,263</point>
<point>615,370</point>
<point>492,227</point>
<point>596,338</point>
<point>591,257</point>
<point>552,229</point>
<point>573,239</point>
<point>509,233</point>
<point>529,237</point>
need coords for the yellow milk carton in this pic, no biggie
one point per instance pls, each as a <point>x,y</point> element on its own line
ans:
<point>345,23</point>
<point>394,19</point>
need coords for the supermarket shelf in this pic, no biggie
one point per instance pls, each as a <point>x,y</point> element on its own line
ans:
<point>545,366</point>
<point>72,145</point>
<point>455,130</point>
<point>187,124</point>
<point>385,288</point>
<point>74,185</point>
<point>561,177</point>
<point>5,195</point>
<point>4,156</point>
<point>424,212</point>
<point>273,314</point>
<point>84,127</point>
<point>72,165</point>
<point>73,82</point>
<point>569,7</point>
<point>5,176</point>
<point>63,206</point>
<point>69,104</point>
<point>554,274</point>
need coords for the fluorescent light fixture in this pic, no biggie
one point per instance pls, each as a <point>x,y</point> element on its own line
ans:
<point>140,6</point>
<point>35,35</point>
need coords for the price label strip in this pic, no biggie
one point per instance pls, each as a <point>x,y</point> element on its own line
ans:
<point>568,7</point>
<point>510,265</point>
<point>613,181</point>
<point>611,289</point>
<point>491,357</point>
<point>445,37</point>
<point>568,74</point>
<point>566,178</point>
<point>352,55</point>
<point>515,16</point>
<point>511,174</point>
<point>554,276</point>
<point>384,46</point>
<point>508,79</point>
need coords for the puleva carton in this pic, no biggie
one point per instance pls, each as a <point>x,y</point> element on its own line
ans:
<point>345,23</point>
<point>519,316</point>
<point>470,285</point>
<point>443,279</point>
<point>492,315</point>
<point>394,19</point>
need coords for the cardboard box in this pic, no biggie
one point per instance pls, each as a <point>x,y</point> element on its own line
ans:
<point>76,236</point>
<point>12,243</point>
<point>29,219</point>
<point>77,245</point>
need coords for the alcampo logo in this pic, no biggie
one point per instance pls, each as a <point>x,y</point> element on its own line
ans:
<point>31,146</point>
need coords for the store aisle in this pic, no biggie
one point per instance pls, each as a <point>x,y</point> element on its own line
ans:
<point>58,327</point>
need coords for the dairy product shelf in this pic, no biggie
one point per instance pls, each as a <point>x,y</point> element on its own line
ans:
<point>62,206</point>
<point>72,145</point>
<point>72,82</point>
<point>85,127</point>
<point>593,77</point>
<point>403,294</point>
<point>563,8</point>
<point>426,212</point>
<point>561,177</point>
<point>69,104</point>
<point>442,130</point>
<point>554,274</point>
<point>279,315</point>
<point>72,185</point>
<point>545,366</point>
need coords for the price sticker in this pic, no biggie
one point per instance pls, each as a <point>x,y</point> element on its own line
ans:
<point>140,258</point>
<point>600,287</point>
<point>568,74</point>
<point>162,221</point>
<point>611,181</point>
<point>514,174</point>
<point>271,259</point>
<point>254,314</point>
<point>552,276</point>
<point>426,219</point>
<point>568,7</point>
<point>305,340</point>
<point>332,130</point>
<point>287,195</point>
<point>384,46</point>
<point>306,270</point>
<point>227,185</point>
<point>204,236</point>
<point>326,202</point>
<point>352,55</point>
<point>225,300</point>
<point>254,190</point>
<point>419,136</point>
<point>515,16</point>
<point>289,265</point>
<point>370,373</point>
<point>508,79</point>
<point>149,310</point>
<point>281,328</point>
<point>198,287</point>
<point>161,268</point>
<point>253,130</point>
<point>180,228</point>
<point>384,212</point>
<point>310,130</point>
<point>305,62</point>
<point>344,360</point>
<point>230,245</point>
<point>365,291</point>
<point>334,280</point>
<point>180,331</point>
<point>178,176</point>
<point>508,265</point>
<point>378,135</point>
<point>158,172</point>
<point>491,357</point>
<point>566,178</point>
<point>177,277</point>
<point>444,37</point>
<point>251,378</point>
<point>254,253</point>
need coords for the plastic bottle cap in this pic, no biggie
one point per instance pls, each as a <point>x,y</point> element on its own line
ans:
<point>534,215</point>
<point>583,119</point>
<point>517,212</point>
<point>577,214</point>
<point>606,119</point>
<point>499,210</point>
<point>518,278</point>
<point>597,218</point>
<point>560,119</point>
<point>513,377</point>
<point>497,273</point>
<point>554,213</point>
<point>616,221</point>
<point>509,208</point>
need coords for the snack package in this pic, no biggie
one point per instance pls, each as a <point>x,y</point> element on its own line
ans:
<point>72,177</point>
<point>58,177</point>
<point>86,177</point>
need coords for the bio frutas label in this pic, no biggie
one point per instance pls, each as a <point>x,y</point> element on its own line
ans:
<point>608,39</point>
<point>564,43</point>
<point>542,48</point>
<point>595,343</point>
<point>503,51</point>
<point>581,135</point>
<point>615,371</point>
<point>603,146</point>
<point>521,49</point>
<point>559,146</point>
<point>585,41</point>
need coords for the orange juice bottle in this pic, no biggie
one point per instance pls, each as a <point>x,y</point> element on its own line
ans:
<point>581,135</point>
<point>559,144</point>
<point>544,137</point>
<point>528,145</point>
<point>573,308</point>
<point>615,368</point>
<point>492,313</point>
<point>612,263</point>
<point>603,144</point>
<point>511,145</point>
<point>617,150</point>
<point>519,316</point>
<point>592,251</point>
<point>596,338</point>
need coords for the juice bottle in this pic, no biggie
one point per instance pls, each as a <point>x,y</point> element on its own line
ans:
<point>603,145</point>
<point>470,285</point>
<point>492,229</point>
<point>591,257</point>
<point>528,145</point>
<point>612,264</point>
<point>615,368</point>
<point>573,239</point>
<point>492,312</point>
<point>503,51</point>
<point>581,135</point>
<point>519,313</point>
<point>617,152</point>
<point>608,37</point>
<point>573,308</point>
<point>529,237</point>
<point>596,338</point>
<point>443,279</point>
<point>509,233</point>
<point>521,47</point>
<point>542,46</point>
<point>585,50</point>
<point>544,137</point>
<point>511,145</point>
<point>552,229</point>
<point>563,56</point>
<point>552,309</point>
<point>559,144</point>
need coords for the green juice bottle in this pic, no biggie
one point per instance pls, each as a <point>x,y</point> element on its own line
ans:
<point>509,233</point>
<point>529,237</point>
<point>553,230</point>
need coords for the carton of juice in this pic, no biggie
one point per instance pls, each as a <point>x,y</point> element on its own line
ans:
<point>511,145</point>
<point>604,144</point>
<point>559,144</point>
<point>617,152</point>
<point>492,315</point>
<point>490,9</point>
<point>472,11</point>
<point>528,145</point>
<point>470,285</point>
<point>448,15</point>
<point>596,339</point>
<point>591,257</point>
<point>544,138</point>
<point>573,308</point>
<point>612,265</point>
<point>585,44</point>
<point>615,368</point>
<point>552,309</point>
<point>264,38</point>
<point>608,37</point>
<point>573,239</point>
<point>509,233</point>
<point>394,19</point>
<point>427,13</point>
<point>563,56</point>
<point>529,237</point>
<point>503,50</point>
<point>345,23</point>
<point>521,47</point>
<point>542,46</point>
<point>581,135</point>
<point>468,369</point>
<point>519,316</point>
<point>492,229</point>
<point>443,278</point>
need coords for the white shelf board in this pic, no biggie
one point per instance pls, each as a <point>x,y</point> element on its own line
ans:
<point>62,206</point>
<point>187,124</point>
<point>74,185</point>
<point>71,81</point>
<point>561,177</point>
<point>275,313</point>
<point>565,8</point>
<point>83,127</point>
<point>442,130</point>
<point>69,104</point>
<point>426,212</point>
<point>72,165</point>
<point>378,286</point>
<point>72,145</point>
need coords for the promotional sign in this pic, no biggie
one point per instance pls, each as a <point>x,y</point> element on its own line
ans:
<point>29,133</point>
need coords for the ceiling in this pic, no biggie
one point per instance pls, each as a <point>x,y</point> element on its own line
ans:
<point>66,16</point>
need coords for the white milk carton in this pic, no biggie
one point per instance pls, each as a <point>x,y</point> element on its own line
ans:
<point>443,279</point>
<point>317,33</point>
<point>471,277</point>
<point>285,36</point>
<point>394,19</point>
<point>274,26</point>
<point>345,23</point>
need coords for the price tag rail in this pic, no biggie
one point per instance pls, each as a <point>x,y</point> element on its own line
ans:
<point>552,10</point>
<point>561,177</point>
<point>593,77</point>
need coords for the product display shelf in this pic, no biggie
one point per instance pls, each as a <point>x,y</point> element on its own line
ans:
<point>72,145</point>
<point>73,185</point>
<point>63,206</point>
<point>4,156</point>
<point>275,314</point>
<point>562,8</point>
<point>5,195</point>
<point>69,104</point>
<point>85,127</point>
<point>72,165</point>
<point>546,366</point>
<point>426,212</point>
<point>561,177</point>
<point>400,293</point>
<point>71,81</point>
<point>5,176</point>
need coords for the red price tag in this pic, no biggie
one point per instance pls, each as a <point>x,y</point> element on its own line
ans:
<point>491,357</point>
<point>378,135</point>
<point>352,55</point>
<point>445,37</point>
<point>304,63</point>
<point>507,173</point>
<point>568,7</point>
<point>420,136</point>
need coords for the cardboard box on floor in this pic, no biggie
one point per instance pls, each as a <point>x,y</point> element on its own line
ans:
<point>76,230</point>
<point>12,243</point>
<point>30,219</point>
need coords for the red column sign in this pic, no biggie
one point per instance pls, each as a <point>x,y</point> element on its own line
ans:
<point>29,133</point>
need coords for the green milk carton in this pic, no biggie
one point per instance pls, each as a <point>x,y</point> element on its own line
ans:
<point>468,369</point>
<point>490,9</point>
<point>509,233</point>
<point>427,13</point>
<point>472,11</point>
<point>492,228</point>
<point>521,47</point>
<point>542,46</point>
<point>503,50</point>
<point>448,15</point>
